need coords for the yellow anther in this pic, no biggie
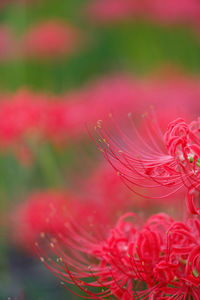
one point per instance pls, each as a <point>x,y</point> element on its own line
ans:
<point>52,245</point>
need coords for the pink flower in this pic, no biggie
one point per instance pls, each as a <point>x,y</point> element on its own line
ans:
<point>112,10</point>
<point>158,11</point>
<point>19,116</point>
<point>183,143</point>
<point>43,212</point>
<point>50,39</point>
<point>51,211</point>
<point>26,116</point>
<point>154,161</point>
<point>8,45</point>
<point>157,260</point>
<point>174,12</point>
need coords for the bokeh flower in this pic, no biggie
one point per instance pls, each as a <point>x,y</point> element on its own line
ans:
<point>159,11</point>
<point>8,45</point>
<point>42,212</point>
<point>50,39</point>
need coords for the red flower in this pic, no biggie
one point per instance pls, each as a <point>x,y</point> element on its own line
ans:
<point>159,11</point>
<point>51,211</point>
<point>50,39</point>
<point>22,114</point>
<point>159,260</point>
<point>8,45</point>
<point>112,10</point>
<point>154,161</point>
<point>42,212</point>
<point>183,143</point>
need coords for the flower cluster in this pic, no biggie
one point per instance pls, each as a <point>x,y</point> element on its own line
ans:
<point>26,114</point>
<point>47,40</point>
<point>99,199</point>
<point>162,11</point>
<point>164,163</point>
<point>156,260</point>
<point>50,39</point>
<point>8,44</point>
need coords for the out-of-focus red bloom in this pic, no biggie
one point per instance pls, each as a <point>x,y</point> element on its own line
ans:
<point>112,10</point>
<point>33,116</point>
<point>28,119</point>
<point>23,113</point>
<point>108,191</point>
<point>154,161</point>
<point>120,94</point>
<point>97,99</point>
<point>104,186</point>
<point>42,212</point>
<point>96,205</point>
<point>50,39</point>
<point>27,115</point>
<point>162,11</point>
<point>51,211</point>
<point>157,260</point>
<point>8,46</point>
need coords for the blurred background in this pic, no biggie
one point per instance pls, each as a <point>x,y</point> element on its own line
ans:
<point>63,66</point>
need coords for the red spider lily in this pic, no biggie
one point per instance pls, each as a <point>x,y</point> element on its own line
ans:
<point>24,113</point>
<point>66,115</point>
<point>97,203</point>
<point>154,161</point>
<point>41,212</point>
<point>47,211</point>
<point>103,187</point>
<point>8,45</point>
<point>159,11</point>
<point>50,39</point>
<point>120,94</point>
<point>26,120</point>
<point>27,117</point>
<point>183,143</point>
<point>104,11</point>
<point>159,260</point>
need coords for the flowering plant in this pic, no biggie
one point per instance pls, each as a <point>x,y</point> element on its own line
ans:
<point>156,259</point>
